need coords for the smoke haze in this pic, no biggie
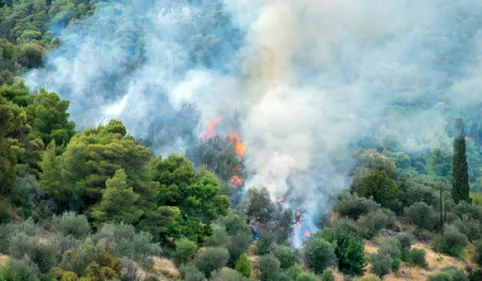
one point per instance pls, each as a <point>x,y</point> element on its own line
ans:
<point>301,79</point>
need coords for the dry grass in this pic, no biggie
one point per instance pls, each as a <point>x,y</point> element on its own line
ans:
<point>165,267</point>
<point>3,260</point>
<point>436,262</point>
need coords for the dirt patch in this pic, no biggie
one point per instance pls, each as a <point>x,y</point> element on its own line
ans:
<point>3,260</point>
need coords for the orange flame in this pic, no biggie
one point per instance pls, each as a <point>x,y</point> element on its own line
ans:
<point>236,180</point>
<point>307,234</point>
<point>238,145</point>
<point>210,132</point>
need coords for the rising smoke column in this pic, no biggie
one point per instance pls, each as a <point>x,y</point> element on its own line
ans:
<point>301,79</point>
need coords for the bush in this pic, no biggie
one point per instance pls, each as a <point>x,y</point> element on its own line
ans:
<point>212,259</point>
<point>5,215</point>
<point>319,254</point>
<point>421,215</point>
<point>376,221</point>
<point>123,241</point>
<point>416,257</point>
<point>20,270</point>
<point>306,277</point>
<point>238,245</point>
<point>218,238</point>
<point>264,242</point>
<point>442,276</point>
<point>71,224</point>
<point>381,264</point>
<point>185,250</point>
<point>7,232</point>
<point>380,187</point>
<point>77,260</point>
<point>352,206</point>
<point>243,266</point>
<point>350,252</point>
<point>43,255</point>
<point>470,227</point>
<point>450,242</point>
<point>191,273</point>
<point>228,275</point>
<point>328,275</point>
<point>472,211</point>
<point>404,243</point>
<point>285,255</point>
<point>370,277</point>
<point>269,267</point>
<point>390,247</point>
<point>456,274</point>
<point>293,272</point>
<point>235,224</point>
<point>478,252</point>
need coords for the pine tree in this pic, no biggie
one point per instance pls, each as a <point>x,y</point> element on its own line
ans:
<point>118,202</point>
<point>460,175</point>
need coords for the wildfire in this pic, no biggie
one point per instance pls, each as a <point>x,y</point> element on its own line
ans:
<point>307,234</point>
<point>238,145</point>
<point>209,133</point>
<point>236,181</point>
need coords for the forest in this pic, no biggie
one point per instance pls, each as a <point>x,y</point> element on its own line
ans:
<point>116,199</point>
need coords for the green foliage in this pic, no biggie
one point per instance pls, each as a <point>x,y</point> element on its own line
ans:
<point>442,276</point>
<point>421,215</point>
<point>243,266</point>
<point>269,267</point>
<point>450,274</point>
<point>380,186</point>
<point>381,264</point>
<point>478,252</point>
<point>369,277</point>
<point>306,277</point>
<point>319,254</point>
<point>162,223</point>
<point>218,238</point>
<point>197,194</point>
<point>284,254</point>
<point>438,164</point>
<point>350,252</point>
<point>460,175</point>
<point>404,243</point>
<point>373,222</point>
<point>328,275</point>
<point>450,242</point>
<point>5,215</point>
<point>235,224</point>
<point>189,272</point>
<point>212,259</point>
<point>416,257</point>
<point>352,206</point>
<point>238,245</point>
<point>228,275</point>
<point>185,250</point>
<point>118,202</point>
<point>70,223</point>
<point>259,205</point>
<point>19,270</point>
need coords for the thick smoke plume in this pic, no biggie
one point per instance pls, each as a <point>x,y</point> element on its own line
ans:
<point>299,79</point>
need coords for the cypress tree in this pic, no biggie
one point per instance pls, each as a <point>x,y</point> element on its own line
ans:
<point>460,174</point>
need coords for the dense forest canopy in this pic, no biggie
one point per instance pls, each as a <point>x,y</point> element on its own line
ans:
<point>239,140</point>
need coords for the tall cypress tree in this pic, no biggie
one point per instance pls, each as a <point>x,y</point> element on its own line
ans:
<point>460,174</point>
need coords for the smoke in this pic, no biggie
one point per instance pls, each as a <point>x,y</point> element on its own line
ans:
<point>301,78</point>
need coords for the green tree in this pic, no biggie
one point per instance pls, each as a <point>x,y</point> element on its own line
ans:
<point>118,202</point>
<point>350,252</point>
<point>185,250</point>
<point>380,186</point>
<point>212,259</point>
<point>197,194</point>
<point>259,205</point>
<point>460,174</point>
<point>319,254</point>
<point>269,267</point>
<point>243,265</point>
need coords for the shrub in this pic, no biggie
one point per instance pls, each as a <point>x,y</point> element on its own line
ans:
<point>418,192</point>
<point>404,242</point>
<point>450,242</point>
<point>478,252</point>
<point>352,206</point>
<point>20,270</point>
<point>264,242</point>
<point>319,254</point>
<point>306,277</point>
<point>238,245</point>
<point>269,267</point>
<point>381,264</point>
<point>123,241</point>
<point>218,238</point>
<point>285,255</point>
<point>185,250</point>
<point>456,274</point>
<point>370,277</point>
<point>350,252</point>
<point>442,276</point>
<point>243,266</point>
<point>228,275</point>
<point>8,231</point>
<point>293,272</point>
<point>235,224</point>
<point>5,215</point>
<point>71,224</point>
<point>212,259</point>
<point>416,257</point>
<point>328,275</point>
<point>77,260</point>
<point>464,208</point>
<point>346,225</point>
<point>390,247</point>
<point>43,255</point>
<point>190,272</point>
<point>470,227</point>
<point>380,187</point>
<point>421,215</point>
<point>376,221</point>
